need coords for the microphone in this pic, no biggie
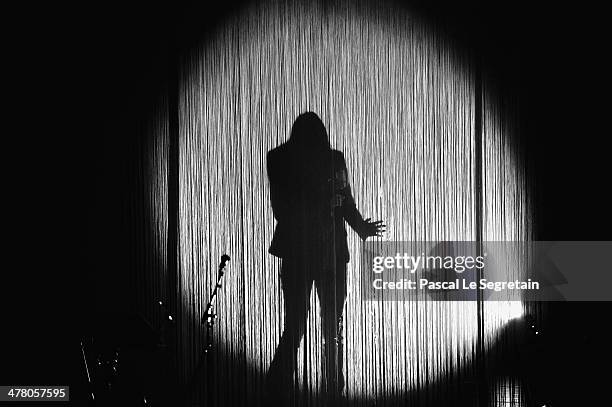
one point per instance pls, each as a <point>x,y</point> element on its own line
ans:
<point>339,190</point>
<point>224,259</point>
<point>340,180</point>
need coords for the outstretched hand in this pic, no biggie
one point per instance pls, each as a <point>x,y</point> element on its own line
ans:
<point>373,228</point>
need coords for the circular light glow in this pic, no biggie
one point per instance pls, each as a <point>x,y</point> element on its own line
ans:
<point>398,99</point>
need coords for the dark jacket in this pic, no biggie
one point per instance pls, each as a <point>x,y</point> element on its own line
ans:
<point>302,185</point>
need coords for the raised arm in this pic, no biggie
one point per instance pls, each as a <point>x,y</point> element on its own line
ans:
<point>364,227</point>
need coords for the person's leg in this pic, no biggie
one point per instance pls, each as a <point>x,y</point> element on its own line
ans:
<point>331,289</point>
<point>282,375</point>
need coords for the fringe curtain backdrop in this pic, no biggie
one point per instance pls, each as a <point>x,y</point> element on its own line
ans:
<point>399,99</point>
<point>147,212</point>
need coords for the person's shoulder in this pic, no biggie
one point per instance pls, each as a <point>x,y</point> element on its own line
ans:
<point>338,155</point>
<point>277,151</point>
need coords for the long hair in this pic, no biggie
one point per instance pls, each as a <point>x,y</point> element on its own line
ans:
<point>308,134</point>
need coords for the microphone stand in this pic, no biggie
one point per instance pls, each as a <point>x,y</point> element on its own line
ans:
<point>209,319</point>
<point>338,183</point>
<point>209,315</point>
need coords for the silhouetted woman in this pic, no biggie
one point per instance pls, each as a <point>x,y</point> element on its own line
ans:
<point>311,200</point>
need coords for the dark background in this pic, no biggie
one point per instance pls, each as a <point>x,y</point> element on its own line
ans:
<point>85,71</point>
